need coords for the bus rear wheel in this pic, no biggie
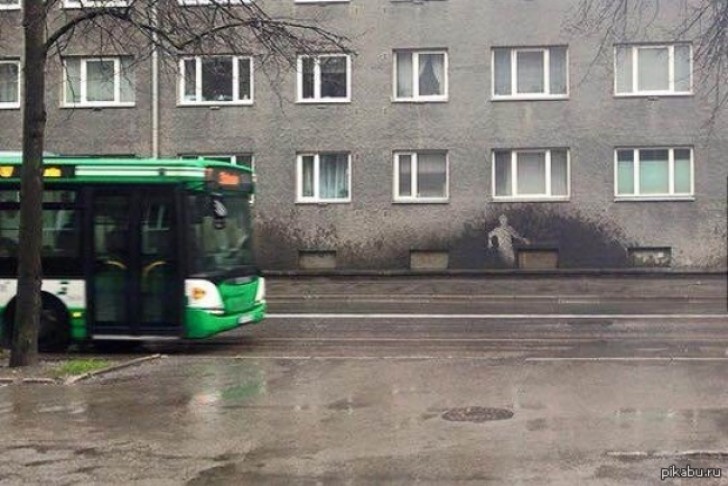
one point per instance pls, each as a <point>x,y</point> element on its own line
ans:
<point>54,332</point>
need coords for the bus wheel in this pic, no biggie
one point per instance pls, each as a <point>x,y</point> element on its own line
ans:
<point>54,334</point>
<point>6,333</point>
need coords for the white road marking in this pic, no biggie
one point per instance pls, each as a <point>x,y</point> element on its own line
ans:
<point>626,358</point>
<point>492,316</point>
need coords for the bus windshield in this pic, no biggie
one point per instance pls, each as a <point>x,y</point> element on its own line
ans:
<point>219,243</point>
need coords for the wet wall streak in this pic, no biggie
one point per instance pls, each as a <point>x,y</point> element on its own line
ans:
<point>580,241</point>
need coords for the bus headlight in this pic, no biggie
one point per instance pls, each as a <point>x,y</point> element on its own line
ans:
<point>203,294</point>
<point>260,293</point>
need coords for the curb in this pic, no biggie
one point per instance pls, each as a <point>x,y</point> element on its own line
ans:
<point>555,273</point>
<point>75,379</point>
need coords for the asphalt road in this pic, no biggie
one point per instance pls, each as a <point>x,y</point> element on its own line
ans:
<point>372,381</point>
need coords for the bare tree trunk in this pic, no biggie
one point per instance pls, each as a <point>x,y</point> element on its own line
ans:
<point>24,349</point>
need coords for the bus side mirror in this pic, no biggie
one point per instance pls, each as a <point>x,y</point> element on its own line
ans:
<point>219,211</point>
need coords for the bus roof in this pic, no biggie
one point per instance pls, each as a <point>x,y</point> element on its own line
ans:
<point>134,170</point>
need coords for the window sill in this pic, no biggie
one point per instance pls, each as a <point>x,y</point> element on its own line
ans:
<point>530,98</point>
<point>658,94</point>
<point>324,101</point>
<point>210,104</point>
<point>9,106</point>
<point>421,201</point>
<point>9,7</point>
<point>101,105</point>
<point>325,202</point>
<point>654,198</point>
<point>509,199</point>
<point>419,100</point>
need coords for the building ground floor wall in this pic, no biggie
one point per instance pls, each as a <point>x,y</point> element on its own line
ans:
<point>501,236</point>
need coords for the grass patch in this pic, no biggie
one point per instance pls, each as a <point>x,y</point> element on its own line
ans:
<point>80,366</point>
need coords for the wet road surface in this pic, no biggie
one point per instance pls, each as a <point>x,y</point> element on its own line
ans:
<point>327,399</point>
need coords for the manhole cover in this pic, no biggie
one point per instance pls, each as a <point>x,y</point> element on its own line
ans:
<point>477,414</point>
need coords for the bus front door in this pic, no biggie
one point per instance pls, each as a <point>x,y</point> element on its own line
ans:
<point>136,286</point>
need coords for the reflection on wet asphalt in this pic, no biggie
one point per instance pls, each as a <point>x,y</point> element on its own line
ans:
<point>275,421</point>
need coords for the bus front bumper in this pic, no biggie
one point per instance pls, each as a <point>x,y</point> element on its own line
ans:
<point>201,324</point>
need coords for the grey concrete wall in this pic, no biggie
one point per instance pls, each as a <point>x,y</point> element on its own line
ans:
<point>590,230</point>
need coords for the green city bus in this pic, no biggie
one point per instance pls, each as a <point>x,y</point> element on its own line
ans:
<point>135,249</point>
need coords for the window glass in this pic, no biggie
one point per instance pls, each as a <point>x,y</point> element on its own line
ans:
<point>557,70</point>
<point>100,80</point>
<point>431,74</point>
<point>190,80</point>
<point>334,176</point>
<point>683,179</point>
<point>404,75</point>
<point>625,172</point>
<point>503,182</point>
<point>654,172</point>
<point>308,65</point>
<point>653,70</point>
<point>333,77</point>
<point>559,173</point>
<point>73,80</point>
<point>531,172</point>
<point>405,175</point>
<point>9,76</point>
<point>530,72</point>
<point>683,81</point>
<point>502,59</point>
<point>214,247</point>
<point>244,77</point>
<point>308,174</point>
<point>624,69</point>
<point>431,175</point>
<point>217,79</point>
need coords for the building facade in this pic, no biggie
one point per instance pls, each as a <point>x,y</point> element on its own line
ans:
<point>461,134</point>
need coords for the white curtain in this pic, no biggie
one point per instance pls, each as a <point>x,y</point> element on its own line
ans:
<point>431,175</point>
<point>432,71</point>
<point>100,80</point>
<point>404,75</point>
<point>334,176</point>
<point>531,170</point>
<point>652,69</point>
<point>502,71</point>
<point>530,72</point>
<point>8,83</point>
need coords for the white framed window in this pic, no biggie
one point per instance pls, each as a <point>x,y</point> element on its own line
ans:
<point>9,4</point>
<point>420,75</point>
<point>9,84</point>
<point>531,175</point>
<point>323,177</point>
<point>214,80</point>
<point>530,72</point>
<point>653,70</point>
<point>105,81</point>
<point>421,176</point>
<point>654,173</point>
<point>324,78</point>
<point>95,3</point>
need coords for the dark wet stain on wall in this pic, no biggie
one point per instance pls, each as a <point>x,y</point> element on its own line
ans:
<point>490,241</point>
<point>579,241</point>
